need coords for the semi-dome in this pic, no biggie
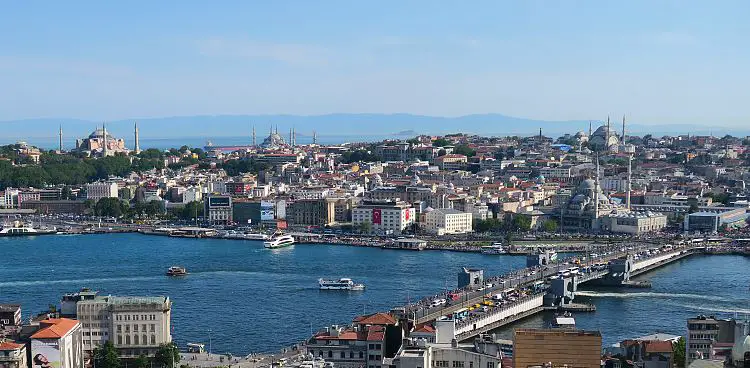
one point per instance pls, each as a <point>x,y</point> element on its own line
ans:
<point>98,133</point>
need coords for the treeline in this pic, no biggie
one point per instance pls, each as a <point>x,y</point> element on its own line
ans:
<point>56,169</point>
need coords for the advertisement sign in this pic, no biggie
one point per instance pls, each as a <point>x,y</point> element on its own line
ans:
<point>376,216</point>
<point>406,215</point>
<point>281,224</point>
<point>44,355</point>
<point>219,202</point>
<point>266,211</point>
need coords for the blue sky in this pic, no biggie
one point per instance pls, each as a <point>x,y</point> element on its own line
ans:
<point>657,61</point>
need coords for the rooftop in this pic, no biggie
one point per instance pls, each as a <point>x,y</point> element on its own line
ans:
<point>9,345</point>
<point>376,319</point>
<point>55,328</point>
<point>9,307</point>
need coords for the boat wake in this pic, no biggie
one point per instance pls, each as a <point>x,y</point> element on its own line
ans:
<point>594,294</point>
<point>76,281</point>
<point>721,309</point>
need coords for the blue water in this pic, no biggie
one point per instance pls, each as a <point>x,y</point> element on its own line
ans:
<point>253,299</point>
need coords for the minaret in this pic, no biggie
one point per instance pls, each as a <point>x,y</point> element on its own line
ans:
<point>104,140</point>
<point>596,187</point>
<point>589,129</point>
<point>291,137</point>
<point>253,135</point>
<point>137,138</point>
<point>60,133</point>
<point>315,137</point>
<point>623,129</point>
<point>294,137</point>
<point>606,143</point>
<point>540,135</point>
<point>630,168</point>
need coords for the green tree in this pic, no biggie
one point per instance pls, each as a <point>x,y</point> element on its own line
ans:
<point>521,223</point>
<point>441,142</point>
<point>549,226</point>
<point>142,362</point>
<point>678,353</point>
<point>106,356</point>
<point>463,149</point>
<point>192,210</point>
<point>693,208</point>
<point>365,227</point>
<point>112,207</point>
<point>167,355</point>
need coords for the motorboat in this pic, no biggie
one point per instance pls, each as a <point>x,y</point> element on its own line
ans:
<point>176,271</point>
<point>340,284</point>
<point>278,240</point>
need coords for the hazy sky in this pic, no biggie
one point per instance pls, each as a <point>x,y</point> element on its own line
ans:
<point>658,61</point>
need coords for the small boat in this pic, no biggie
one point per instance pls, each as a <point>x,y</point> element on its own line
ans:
<point>176,271</point>
<point>17,228</point>
<point>496,248</point>
<point>340,284</point>
<point>278,240</point>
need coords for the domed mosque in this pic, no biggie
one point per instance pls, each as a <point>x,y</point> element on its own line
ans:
<point>274,140</point>
<point>101,142</point>
<point>586,206</point>
<point>604,139</point>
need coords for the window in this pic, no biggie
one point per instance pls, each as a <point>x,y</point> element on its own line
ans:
<point>330,353</point>
<point>378,346</point>
<point>135,340</point>
<point>351,355</point>
<point>135,327</point>
<point>361,355</point>
<point>127,328</point>
<point>143,327</point>
<point>145,339</point>
<point>458,364</point>
<point>119,339</point>
<point>127,339</point>
<point>343,355</point>
<point>153,327</point>
<point>471,364</point>
<point>153,339</point>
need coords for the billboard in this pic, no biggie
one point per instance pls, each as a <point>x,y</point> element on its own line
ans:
<point>376,216</point>
<point>266,211</point>
<point>406,215</point>
<point>45,354</point>
<point>219,202</point>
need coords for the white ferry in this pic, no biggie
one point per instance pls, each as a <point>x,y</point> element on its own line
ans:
<point>17,228</point>
<point>278,240</point>
<point>495,248</point>
<point>340,284</point>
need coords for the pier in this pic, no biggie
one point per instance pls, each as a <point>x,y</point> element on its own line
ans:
<point>545,288</point>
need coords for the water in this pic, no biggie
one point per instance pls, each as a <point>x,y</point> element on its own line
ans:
<point>253,299</point>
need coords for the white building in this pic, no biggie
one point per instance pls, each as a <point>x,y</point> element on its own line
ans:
<point>635,223</point>
<point>384,217</point>
<point>192,194</point>
<point>448,221</point>
<point>10,199</point>
<point>97,191</point>
<point>58,343</point>
<point>555,172</point>
<point>135,325</point>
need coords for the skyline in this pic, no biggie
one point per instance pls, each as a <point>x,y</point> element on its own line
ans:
<point>662,63</point>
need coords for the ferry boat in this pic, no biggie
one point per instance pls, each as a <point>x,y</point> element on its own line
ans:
<point>340,284</point>
<point>278,240</point>
<point>176,271</point>
<point>495,248</point>
<point>17,228</point>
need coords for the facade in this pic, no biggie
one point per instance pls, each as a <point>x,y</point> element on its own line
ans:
<point>471,278</point>
<point>10,315</point>
<point>635,223</point>
<point>417,353</point>
<point>218,209</point>
<point>452,161</point>
<point>710,222</point>
<point>101,142</point>
<point>448,221</point>
<point>384,217</point>
<point>315,212</point>
<point>135,325</point>
<point>12,354</point>
<point>574,348</point>
<point>58,343</point>
<point>97,191</point>
<point>358,346</point>
<point>555,172</point>
<point>585,207</point>
<point>604,139</point>
<point>55,207</point>
<point>273,141</point>
<point>706,333</point>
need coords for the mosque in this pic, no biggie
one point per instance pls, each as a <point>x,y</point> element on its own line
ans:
<point>102,143</point>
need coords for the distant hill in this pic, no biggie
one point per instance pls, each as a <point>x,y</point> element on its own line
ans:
<point>350,125</point>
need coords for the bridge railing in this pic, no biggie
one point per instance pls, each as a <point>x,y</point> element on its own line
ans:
<point>494,311</point>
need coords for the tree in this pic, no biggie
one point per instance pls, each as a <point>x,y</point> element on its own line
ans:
<point>549,226</point>
<point>678,353</point>
<point>365,227</point>
<point>167,355</point>
<point>521,223</point>
<point>463,149</point>
<point>142,362</point>
<point>441,142</point>
<point>106,356</point>
<point>442,152</point>
<point>693,208</point>
<point>110,207</point>
<point>192,210</point>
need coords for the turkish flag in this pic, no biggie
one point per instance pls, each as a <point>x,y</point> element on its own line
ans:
<point>407,214</point>
<point>376,216</point>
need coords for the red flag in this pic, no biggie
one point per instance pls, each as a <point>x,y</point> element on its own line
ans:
<point>376,216</point>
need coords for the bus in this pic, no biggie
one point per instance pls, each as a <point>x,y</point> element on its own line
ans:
<point>461,313</point>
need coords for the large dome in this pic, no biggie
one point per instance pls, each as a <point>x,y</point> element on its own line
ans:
<point>273,140</point>
<point>98,133</point>
<point>586,185</point>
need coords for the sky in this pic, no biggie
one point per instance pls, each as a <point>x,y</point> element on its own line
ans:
<point>659,62</point>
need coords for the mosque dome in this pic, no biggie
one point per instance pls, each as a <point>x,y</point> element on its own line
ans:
<point>741,348</point>
<point>98,133</point>
<point>603,138</point>
<point>274,139</point>
<point>415,180</point>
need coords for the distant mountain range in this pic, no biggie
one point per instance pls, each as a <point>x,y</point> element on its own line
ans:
<point>343,125</point>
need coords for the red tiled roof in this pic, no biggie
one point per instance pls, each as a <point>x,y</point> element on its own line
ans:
<point>376,319</point>
<point>375,336</point>
<point>424,328</point>
<point>9,345</point>
<point>659,347</point>
<point>54,328</point>
<point>345,335</point>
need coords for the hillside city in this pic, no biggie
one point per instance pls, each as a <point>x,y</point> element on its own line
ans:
<point>644,202</point>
